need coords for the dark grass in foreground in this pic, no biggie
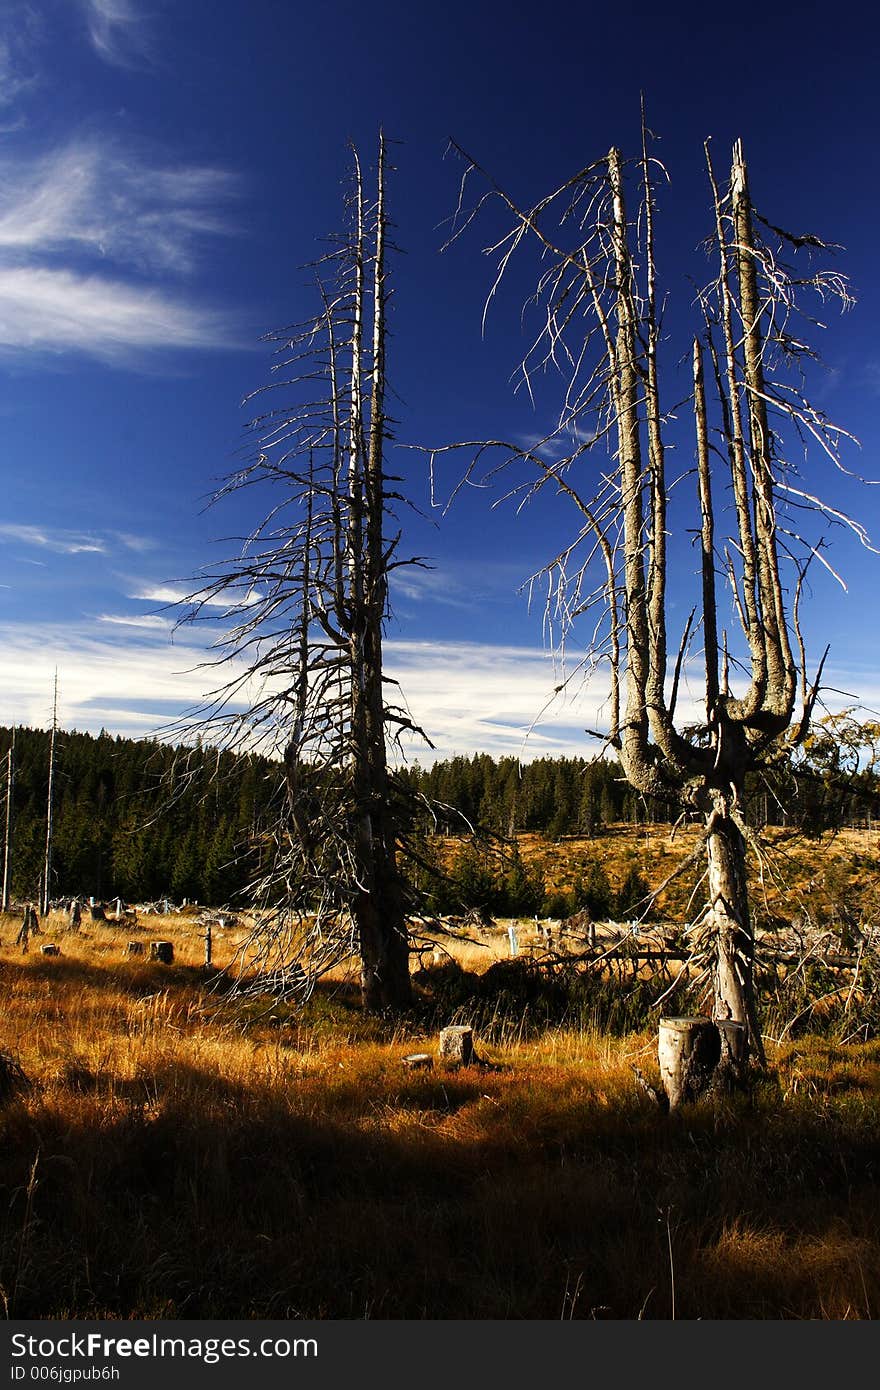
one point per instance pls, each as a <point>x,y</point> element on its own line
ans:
<point>172,1161</point>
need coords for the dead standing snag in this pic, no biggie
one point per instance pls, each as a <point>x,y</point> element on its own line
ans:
<point>600,329</point>
<point>303,608</point>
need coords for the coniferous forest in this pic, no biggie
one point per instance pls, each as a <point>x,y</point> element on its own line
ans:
<point>141,819</point>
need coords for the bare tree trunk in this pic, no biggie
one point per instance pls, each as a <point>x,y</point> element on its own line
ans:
<point>727,914</point>
<point>47,865</point>
<point>7,838</point>
<point>385,957</point>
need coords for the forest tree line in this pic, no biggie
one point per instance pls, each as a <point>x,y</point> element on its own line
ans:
<point>143,820</point>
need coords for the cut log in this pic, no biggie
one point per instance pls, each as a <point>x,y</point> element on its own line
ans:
<point>50,950</point>
<point>418,1061</point>
<point>135,948</point>
<point>688,1050</point>
<point>457,1045</point>
<point>163,951</point>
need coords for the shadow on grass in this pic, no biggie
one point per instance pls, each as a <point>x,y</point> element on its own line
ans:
<point>389,1194</point>
<point>133,977</point>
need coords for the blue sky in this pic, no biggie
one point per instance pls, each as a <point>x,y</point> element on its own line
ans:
<point>166,172</point>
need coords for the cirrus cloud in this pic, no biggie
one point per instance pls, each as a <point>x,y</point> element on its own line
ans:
<point>119,31</point>
<point>57,311</point>
<point>94,197</point>
<point>69,214</point>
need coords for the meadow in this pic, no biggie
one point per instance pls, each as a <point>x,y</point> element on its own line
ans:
<point>170,1154</point>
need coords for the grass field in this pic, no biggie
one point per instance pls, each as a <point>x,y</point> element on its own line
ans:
<point>176,1157</point>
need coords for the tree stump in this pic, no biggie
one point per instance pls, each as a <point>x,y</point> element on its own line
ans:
<point>30,926</point>
<point>163,951</point>
<point>135,948</point>
<point>418,1061</point>
<point>49,950</point>
<point>74,916</point>
<point>457,1045</point>
<point>96,912</point>
<point>688,1050</point>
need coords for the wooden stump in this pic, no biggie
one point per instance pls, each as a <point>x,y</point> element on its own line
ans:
<point>688,1050</point>
<point>96,912</point>
<point>457,1045</point>
<point>135,948</point>
<point>30,926</point>
<point>50,950</point>
<point>163,951</point>
<point>418,1061</point>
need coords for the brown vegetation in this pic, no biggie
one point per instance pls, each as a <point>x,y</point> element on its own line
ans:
<point>794,876</point>
<point>172,1157</point>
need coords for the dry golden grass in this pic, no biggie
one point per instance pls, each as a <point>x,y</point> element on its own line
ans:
<point>177,1158</point>
<point>796,873</point>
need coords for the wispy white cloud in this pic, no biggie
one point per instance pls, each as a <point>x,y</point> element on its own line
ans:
<point>61,541</point>
<point>457,586</point>
<point>23,26</point>
<point>104,681</point>
<point>69,214</point>
<point>167,594</point>
<point>467,697</point>
<point>430,585</point>
<point>119,31</point>
<point>555,444</point>
<point>54,311</point>
<point>480,697</point>
<point>171,595</point>
<point>153,621</point>
<point>139,544</point>
<point>125,675</point>
<point>12,81</point>
<point>95,197</point>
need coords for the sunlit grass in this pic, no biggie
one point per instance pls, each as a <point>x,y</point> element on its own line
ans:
<point>174,1157</point>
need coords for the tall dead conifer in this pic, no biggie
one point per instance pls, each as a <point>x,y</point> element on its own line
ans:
<point>598,291</point>
<point>302,610</point>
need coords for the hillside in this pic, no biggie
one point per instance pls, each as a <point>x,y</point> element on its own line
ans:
<point>142,820</point>
<point>829,878</point>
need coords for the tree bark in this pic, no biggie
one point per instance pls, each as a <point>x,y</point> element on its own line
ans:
<point>457,1045</point>
<point>688,1052</point>
<point>381,908</point>
<point>727,921</point>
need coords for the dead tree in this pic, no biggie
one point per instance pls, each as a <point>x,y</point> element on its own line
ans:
<point>302,610</point>
<point>50,807</point>
<point>601,328</point>
<point>7,836</point>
